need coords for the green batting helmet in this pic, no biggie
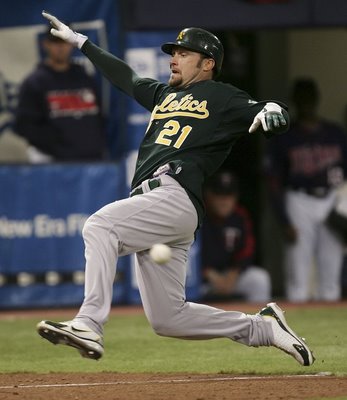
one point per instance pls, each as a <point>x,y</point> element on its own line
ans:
<point>201,41</point>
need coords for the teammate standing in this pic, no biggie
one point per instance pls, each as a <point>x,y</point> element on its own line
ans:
<point>305,167</point>
<point>193,125</point>
<point>58,109</point>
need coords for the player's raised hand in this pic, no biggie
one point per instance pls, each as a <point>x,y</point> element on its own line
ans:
<point>270,118</point>
<point>62,31</point>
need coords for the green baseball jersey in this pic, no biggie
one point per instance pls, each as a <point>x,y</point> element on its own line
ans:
<point>192,128</point>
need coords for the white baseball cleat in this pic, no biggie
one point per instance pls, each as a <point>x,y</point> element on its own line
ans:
<point>75,334</point>
<point>284,338</point>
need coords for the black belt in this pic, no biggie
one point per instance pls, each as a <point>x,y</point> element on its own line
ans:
<point>152,184</point>
<point>319,192</point>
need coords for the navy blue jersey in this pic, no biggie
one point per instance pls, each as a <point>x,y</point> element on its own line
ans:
<point>228,244</point>
<point>303,159</point>
<point>59,113</point>
<point>309,161</point>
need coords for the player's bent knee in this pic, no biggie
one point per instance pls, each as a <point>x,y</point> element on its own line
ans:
<point>161,330</point>
<point>93,223</point>
<point>161,327</point>
<point>264,280</point>
<point>87,227</point>
<point>164,326</point>
<point>258,286</point>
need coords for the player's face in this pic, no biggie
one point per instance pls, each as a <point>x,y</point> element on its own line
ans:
<point>221,205</point>
<point>188,67</point>
<point>58,51</point>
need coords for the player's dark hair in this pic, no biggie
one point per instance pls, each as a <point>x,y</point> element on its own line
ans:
<point>305,90</point>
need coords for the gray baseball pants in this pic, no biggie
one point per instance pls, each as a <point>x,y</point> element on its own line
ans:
<point>133,225</point>
<point>316,243</point>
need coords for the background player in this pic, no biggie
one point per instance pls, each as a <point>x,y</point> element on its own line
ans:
<point>58,109</point>
<point>228,245</point>
<point>193,125</point>
<point>305,167</point>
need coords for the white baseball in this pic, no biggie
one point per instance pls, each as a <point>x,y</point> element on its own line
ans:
<point>160,253</point>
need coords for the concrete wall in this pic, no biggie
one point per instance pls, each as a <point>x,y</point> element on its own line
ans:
<point>321,54</point>
<point>272,64</point>
<point>318,53</point>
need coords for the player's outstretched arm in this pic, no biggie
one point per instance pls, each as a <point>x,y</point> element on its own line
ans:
<point>115,70</point>
<point>272,118</point>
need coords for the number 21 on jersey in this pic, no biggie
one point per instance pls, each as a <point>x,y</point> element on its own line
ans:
<point>173,128</point>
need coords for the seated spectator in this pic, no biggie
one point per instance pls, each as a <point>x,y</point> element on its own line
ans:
<point>58,110</point>
<point>228,246</point>
<point>12,147</point>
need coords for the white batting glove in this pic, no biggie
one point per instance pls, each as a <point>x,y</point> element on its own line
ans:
<point>63,32</point>
<point>270,117</point>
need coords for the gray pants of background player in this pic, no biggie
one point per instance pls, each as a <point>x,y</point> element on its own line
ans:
<point>163,215</point>
<point>317,244</point>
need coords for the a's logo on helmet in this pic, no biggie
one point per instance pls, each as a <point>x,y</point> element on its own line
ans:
<point>180,35</point>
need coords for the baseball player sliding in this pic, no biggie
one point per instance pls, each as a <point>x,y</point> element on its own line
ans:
<point>194,123</point>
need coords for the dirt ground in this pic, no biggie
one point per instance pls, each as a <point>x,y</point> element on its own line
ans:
<point>169,387</point>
